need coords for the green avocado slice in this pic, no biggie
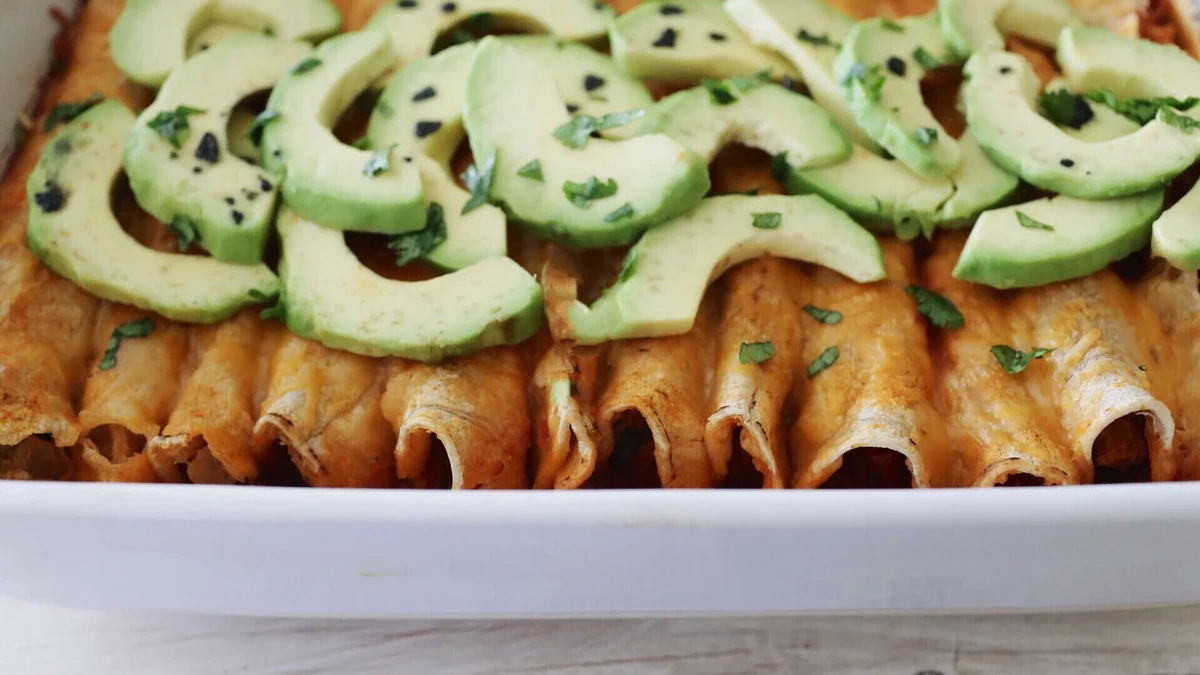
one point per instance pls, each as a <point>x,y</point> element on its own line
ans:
<point>325,180</point>
<point>885,195</point>
<point>1055,239</point>
<point>881,65</point>
<point>665,274</point>
<point>672,40</point>
<point>1000,94</point>
<point>415,26</point>
<point>971,26</point>
<point>592,192</point>
<point>1176,234</point>
<point>434,89</point>
<point>72,229</point>
<point>230,201</point>
<point>808,33</point>
<point>1094,59</point>
<point>760,115</point>
<point>151,37</point>
<point>331,297</point>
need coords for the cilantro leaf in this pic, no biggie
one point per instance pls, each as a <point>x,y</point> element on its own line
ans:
<point>411,246</point>
<point>940,311</point>
<point>65,112</point>
<point>479,182</point>
<point>1015,361</point>
<point>718,91</point>
<point>378,162</point>
<point>622,212</point>
<point>925,59</point>
<point>575,133</point>
<point>768,221</point>
<point>1181,122</point>
<point>305,66</point>
<point>1141,110</point>
<point>1032,224</point>
<point>133,329</point>
<point>184,229</point>
<point>260,123</point>
<point>1066,109</point>
<point>823,362</point>
<point>891,25</point>
<point>825,316</point>
<point>583,194</point>
<point>173,124</point>
<point>870,78</point>
<point>531,170</point>
<point>755,353</point>
<point>925,136</point>
<point>818,40</point>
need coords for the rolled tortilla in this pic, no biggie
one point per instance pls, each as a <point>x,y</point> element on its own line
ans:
<point>748,399</point>
<point>1117,421</point>
<point>208,436</point>
<point>996,423</point>
<point>127,405</point>
<point>323,405</point>
<point>1173,296</point>
<point>653,408</point>
<point>460,424</point>
<point>869,414</point>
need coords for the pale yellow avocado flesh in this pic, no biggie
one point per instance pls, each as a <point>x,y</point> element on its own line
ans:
<point>83,241</point>
<point>667,272</point>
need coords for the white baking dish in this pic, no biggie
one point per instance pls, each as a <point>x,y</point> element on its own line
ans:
<point>296,552</point>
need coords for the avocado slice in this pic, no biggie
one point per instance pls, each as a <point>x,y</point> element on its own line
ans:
<point>434,89</point>
<point>885,195</point>
<point>808,33</point>
<point>325,180</point>
<point>1000,96</point>
<point>881,65</point>
<point>151,37</point>
<point>72,229</point>
<point>230,201</point>
<point>415,25</point>
<point>1055,239</point>
<point>331,297</point>
<point>971,26</point>
<point>758,114</point>
<point>1094,58</point>
<point>592,192</point>
<point>665,274</point>
<point>1175,235</point>
<point>673,40</point>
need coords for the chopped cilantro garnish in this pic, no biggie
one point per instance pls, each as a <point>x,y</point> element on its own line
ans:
<point>718,91</point>
<point>260,123</point>
<point>1032,224</point>
<point>411,246</point>
<point>940,311</point>
<point>479,182</point>
<point>622,212</point>
<point>378,162</point>
<point>184,229</point>
<point>724,92</point>
<point>583,194</point>
<point>925,136</point>
<point>925,59</point>
<point>65,112</point>
<point>532,170</point>
<point>1015,361</point>
<point>755,353</point>
<point>826,316</point>
<point>305,66</point>
<point>823,362</point>
<point>173,124</point>
<point>768,221</point>
<point>1066,109</point>
<point>871,79</point>
<point>818,40</point>
<point>133,329</point>
<point>1181,122</point>
<point>892,25</point>
<point>1141,110</point>
<point>574,134</point>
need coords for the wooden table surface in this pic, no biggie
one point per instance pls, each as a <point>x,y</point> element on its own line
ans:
<point>37,640</point>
